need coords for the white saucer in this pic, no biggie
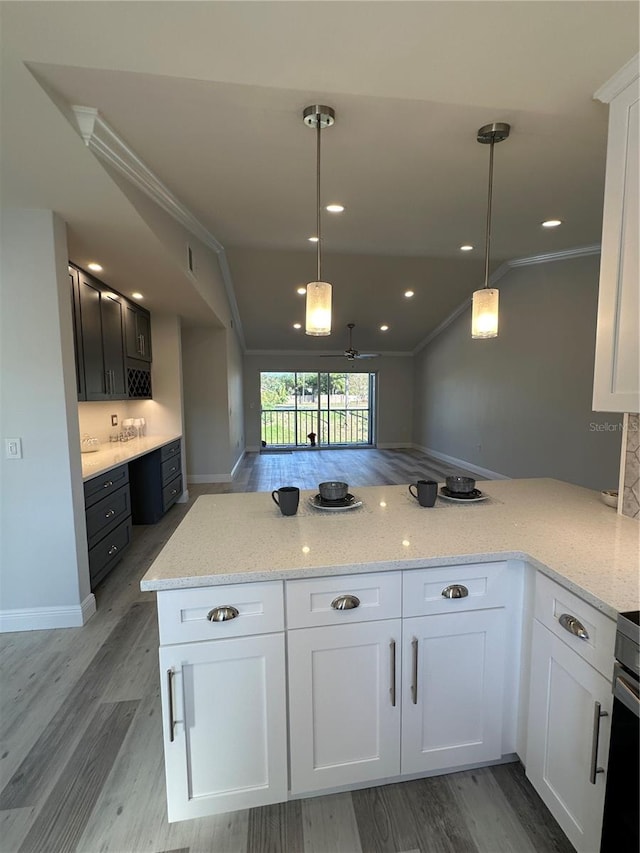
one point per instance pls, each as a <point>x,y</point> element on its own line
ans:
<point>316,502</point>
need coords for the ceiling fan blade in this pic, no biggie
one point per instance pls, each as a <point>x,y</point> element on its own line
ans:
<point>368,355</point>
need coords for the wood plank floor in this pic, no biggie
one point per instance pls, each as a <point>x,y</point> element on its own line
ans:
<point>81,759</point>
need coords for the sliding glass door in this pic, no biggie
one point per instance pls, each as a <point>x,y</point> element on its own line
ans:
<point>317,409</point>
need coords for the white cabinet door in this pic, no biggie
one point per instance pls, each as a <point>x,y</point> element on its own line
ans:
<point>567,738</point>
<point>452,696</point>
<point>344,704</point>
<point>616,376</point>
<point>224,718</point>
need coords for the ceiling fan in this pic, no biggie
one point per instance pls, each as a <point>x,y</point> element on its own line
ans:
<point>350,352</point>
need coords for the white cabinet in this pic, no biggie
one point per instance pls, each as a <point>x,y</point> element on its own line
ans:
<point>617,360</point>
<point>223,700</point>
<point>344,704</point>
<point>453,675</point>
<point>568,737</point>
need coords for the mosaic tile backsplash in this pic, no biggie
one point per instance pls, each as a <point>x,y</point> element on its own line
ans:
<point>631,493</point>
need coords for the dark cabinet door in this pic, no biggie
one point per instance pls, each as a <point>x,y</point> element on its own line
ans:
<point>77,332</point>
<point>111,309</point>
<point>137,332</point>
<point>101,322</point>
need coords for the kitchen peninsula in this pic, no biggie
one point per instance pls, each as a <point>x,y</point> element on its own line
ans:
<point>332,650</point>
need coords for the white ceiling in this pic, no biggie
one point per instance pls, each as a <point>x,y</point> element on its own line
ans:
<point>210,96</point>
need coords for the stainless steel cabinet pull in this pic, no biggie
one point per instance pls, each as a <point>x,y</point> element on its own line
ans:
<point>110,513</point>
<point>174,491</point>
<point>414,680</point>
<point>573,626</point>
<point>345,602</point>
<point>223,613</point>
<point>172,723</point>
<point>107,483</point>
<point>112,550</point>
<point>392,646</point>
<point>597,714</point>
<point>456,590</point>
<point>173,469</point>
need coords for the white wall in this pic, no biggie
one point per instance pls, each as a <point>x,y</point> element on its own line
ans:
<point>235,378</point>
<point>44,573</point>
<point>395,402</point>
<point>520,404</point>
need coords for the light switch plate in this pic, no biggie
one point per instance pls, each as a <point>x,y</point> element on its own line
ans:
<point>13,448</point>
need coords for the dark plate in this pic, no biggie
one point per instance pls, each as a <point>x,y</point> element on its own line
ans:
<point>346,501</point>
<point>463,496</point>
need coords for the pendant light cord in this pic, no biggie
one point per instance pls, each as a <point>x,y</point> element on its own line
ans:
<point>488,237</point>
<point>319,235</point>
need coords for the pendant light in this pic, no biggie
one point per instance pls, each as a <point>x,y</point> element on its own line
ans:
<point>318,314</point>
<point>484,313</point>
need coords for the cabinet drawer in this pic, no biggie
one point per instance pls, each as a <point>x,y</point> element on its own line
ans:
<point>182,613</point>
<point>107,514</point>
<point>553,601</point>
<point>486,585</point>
<point>108,551</point>
<point>171,493</point>
<point>170,469</point>
<point>105,484</point>
<point>309,601</point>
<point>170,450</point>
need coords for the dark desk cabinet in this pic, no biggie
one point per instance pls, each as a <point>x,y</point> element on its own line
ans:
<point>156,483</point>
<point>108,519</point>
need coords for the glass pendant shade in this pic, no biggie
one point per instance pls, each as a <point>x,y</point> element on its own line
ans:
<point>484,313</point>
<point>318,319</point>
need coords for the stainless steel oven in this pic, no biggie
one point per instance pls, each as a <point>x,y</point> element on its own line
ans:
<point>621,818</point>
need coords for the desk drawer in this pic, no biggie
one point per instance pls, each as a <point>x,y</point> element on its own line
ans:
<point>170,469</point>
<point>309,601</point>
<point>168,451</point>
<point>108,551</point>
<point>107,514</point>
<point>171,493</point>
<point>98,487</point>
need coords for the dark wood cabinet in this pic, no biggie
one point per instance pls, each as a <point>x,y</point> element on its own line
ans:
<point>108,519</point>
<point>77,332</point>
<point>156,483</point>
<point>137,332</point>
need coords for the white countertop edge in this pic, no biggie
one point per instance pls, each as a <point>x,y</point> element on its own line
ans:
<point>255,576</point>
<point>129,450</point>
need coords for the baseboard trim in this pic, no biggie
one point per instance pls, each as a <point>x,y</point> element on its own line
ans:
<point>462,463</point>
<point>195,479</point>
<point>237,465</point>
<point>393,445</point>
<point>46,618</point>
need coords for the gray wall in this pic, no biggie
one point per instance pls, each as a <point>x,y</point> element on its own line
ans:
<point>395,378</point>
<point>520,404</point>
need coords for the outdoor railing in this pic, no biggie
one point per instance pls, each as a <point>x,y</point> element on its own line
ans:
<point>290,427</point>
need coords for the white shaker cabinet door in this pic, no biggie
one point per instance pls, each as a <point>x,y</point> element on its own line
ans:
<point>224,719</point>
<point>344,704</point>
<point>453,669</point>
<point>568,737</point>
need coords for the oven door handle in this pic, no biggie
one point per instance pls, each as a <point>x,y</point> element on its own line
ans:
<point>624,691</point>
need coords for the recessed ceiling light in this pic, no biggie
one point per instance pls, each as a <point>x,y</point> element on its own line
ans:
<point>301,290</point>
<point>94,266</point>
<point>408,293</point>
<point>297,325</point>
<point>137,295</point>
<point>552,223</point>
<point>466,248</point>
<point>384,328</point>
<point>313,239</point>
<point>335,208</point>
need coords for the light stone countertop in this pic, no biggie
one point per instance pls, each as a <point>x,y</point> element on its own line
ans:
<point>563,530</point>
<point>117,453</point>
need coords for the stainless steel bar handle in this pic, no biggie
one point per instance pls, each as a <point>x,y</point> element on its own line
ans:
<point>414,679</point>
<point>222,613</point>
<point>172,722</point>
<point>392,691</point>
<point>573,626</point>
<point>345,602</point>
<point>597,714</point>
<point>456,590</point>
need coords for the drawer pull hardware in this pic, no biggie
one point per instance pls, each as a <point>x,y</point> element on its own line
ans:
<point>345,602</point>
<point>112,550</point>
<point>573,626</point>
<point>110,513</point>
<point>174,491</point>
<point>223,613</point>
<point>456,590</point>
<point>392,690</point>
<point>172,722</point>
<point>597,714</point>
<point>107,483</point>
<point>414,679</point>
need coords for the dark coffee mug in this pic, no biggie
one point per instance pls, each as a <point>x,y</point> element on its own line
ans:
<point>426,492</point>
<point>287,499</point>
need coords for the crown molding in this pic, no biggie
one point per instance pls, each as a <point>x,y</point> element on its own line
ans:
<point>503,269</point>
<point>100,138</point>
<point>620,80</point>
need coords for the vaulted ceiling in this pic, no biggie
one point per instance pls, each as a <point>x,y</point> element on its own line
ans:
<point>210,96</point>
